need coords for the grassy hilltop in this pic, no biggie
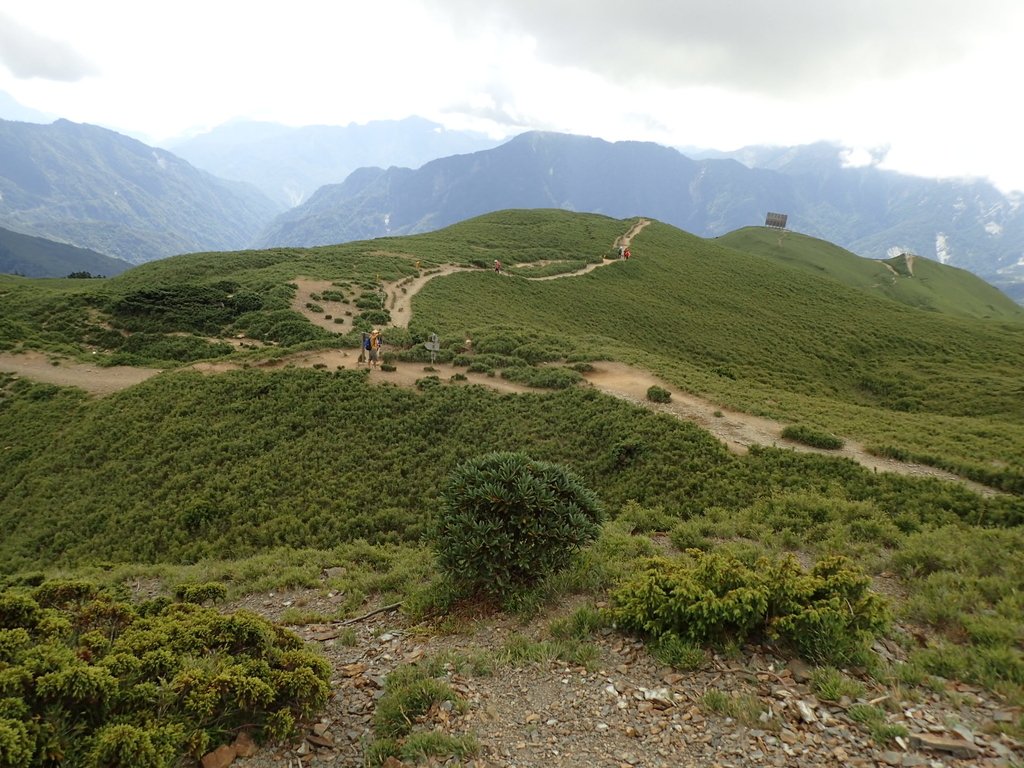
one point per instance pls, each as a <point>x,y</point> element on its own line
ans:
<point>774,340</point>
<point>259,479</point>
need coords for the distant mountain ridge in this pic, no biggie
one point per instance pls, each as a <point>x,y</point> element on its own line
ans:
<point>871,212</point>
<point>97,189</point>
<point>289,164</point>
<point>38,257</point>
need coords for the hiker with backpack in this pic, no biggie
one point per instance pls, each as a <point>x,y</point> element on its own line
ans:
<point>497,266</point>
<point>373,343</point>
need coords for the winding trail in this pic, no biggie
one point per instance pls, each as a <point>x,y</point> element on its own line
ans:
<point>737,430</point>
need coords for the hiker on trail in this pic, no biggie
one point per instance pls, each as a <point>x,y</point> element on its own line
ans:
<point>365,348</point>
<point>622,251</point>
<point>373,342</point>
<point>497,266</point>
<point>626,254</point>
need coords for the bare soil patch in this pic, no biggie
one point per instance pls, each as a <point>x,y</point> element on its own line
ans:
<point>52,369</point>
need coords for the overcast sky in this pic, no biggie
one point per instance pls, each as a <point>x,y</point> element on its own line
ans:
<point>931,85</point>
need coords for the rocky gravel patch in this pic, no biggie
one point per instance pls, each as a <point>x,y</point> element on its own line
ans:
<point>627,710</point>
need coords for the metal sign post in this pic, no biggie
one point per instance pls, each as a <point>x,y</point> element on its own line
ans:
<point>434,345</point>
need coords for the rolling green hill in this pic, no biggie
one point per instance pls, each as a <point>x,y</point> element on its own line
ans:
<point>261,477</point>
<point>776,341</point>
<point>927,284</point>
<point>38,257</point>
<point>753,334</point>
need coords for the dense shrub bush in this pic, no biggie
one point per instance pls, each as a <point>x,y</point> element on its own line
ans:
<point>827,615</point>
<point>542,378</point>
<point>375,317</point>
<point>625,452</point>
<point>539,352</point>
<point>508,521</point>
<point>282,326</point>
<point>812,437</point>
<point>198,308</point>
<point>156,348</point>
<point>88,680</point>
<point>200,593</point>
<point>658,394</point>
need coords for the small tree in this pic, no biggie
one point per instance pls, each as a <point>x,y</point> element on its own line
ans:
<point>508,521</point>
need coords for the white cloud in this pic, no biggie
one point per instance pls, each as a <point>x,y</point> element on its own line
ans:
<point>27,54</point>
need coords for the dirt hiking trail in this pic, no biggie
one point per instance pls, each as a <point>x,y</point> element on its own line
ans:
<point>737,430</point>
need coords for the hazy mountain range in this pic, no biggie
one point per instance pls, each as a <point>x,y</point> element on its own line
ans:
<point>97,189</point>
<point>289,164</point>
<point>94,188</point>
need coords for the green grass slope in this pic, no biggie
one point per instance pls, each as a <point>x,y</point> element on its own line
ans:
<point>190,466</point>
<point>742,329</point>
<point>928,285</point>
<point>258,479</point>
<point>776,341</point>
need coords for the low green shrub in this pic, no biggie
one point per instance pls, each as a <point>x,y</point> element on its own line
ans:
<point>89,680</point>
<point>812,437</point>
<point>200,593</point>
<point>658,394</point>
<point>646,519</point>
<point>542,378</point>
<point>508,521</point>
<point>690,534</point>
<point>827,615</point>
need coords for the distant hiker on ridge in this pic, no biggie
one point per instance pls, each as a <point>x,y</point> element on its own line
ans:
<point>497,266</point>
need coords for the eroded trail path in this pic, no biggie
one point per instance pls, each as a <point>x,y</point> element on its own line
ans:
<point>740,430</point>
<point>94,379</point>
<point>737,430</point>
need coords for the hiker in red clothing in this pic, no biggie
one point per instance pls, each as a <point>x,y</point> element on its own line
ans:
<point>626,254</point>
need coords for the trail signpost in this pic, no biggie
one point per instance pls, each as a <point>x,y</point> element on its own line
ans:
<point>434,345</point>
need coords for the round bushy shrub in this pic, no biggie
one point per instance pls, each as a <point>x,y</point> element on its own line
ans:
<point>827,615</point>
<point>658,394</point>
<point>508,521</point>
